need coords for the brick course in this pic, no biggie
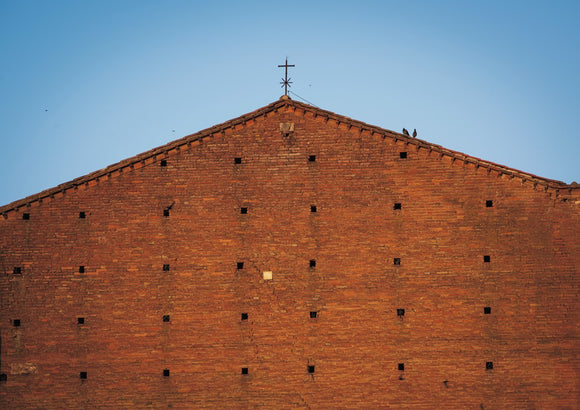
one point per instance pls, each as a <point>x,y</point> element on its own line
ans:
<point>440,235</point>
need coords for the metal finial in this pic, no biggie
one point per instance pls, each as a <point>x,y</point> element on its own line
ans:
<point>286,81</point>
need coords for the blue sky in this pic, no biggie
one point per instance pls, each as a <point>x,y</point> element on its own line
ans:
<point>85,84</point>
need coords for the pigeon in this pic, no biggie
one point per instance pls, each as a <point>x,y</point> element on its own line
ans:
<point>415,133</point>
<point>405,131</point>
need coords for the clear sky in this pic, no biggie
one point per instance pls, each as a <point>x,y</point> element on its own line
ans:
<point>85,84</point>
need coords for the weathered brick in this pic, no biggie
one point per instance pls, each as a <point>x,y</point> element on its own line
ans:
<point>441,233</point>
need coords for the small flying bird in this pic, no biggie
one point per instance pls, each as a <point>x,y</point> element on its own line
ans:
<point>406,132</point>
<point>415,133</point>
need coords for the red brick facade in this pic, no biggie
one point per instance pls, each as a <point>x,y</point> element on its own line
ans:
<point>423,280</point>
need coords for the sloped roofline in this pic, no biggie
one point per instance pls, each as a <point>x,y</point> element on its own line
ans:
<point>171,148</point>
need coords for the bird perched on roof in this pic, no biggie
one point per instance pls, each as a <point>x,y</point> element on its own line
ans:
<point>415,133</point>
<point>406,132</point>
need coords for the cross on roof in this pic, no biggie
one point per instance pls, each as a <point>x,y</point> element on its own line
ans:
<point>286,81</point>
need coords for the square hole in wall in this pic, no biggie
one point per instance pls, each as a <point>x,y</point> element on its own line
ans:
<point>397,261</point>
<point>244,370</point>
<point>166,212</point>
<point>312,208</point>
<point>82,215</point>
<point>26,216</point>
<point>166,267</point>
<point>267,275</point>
<point>400,312</point>
<point>312,158</point>
<point>165,372</point>
<point>313,315</point>
<point>488,203</point>
<point>401,366</point>
<point>244,316</point>
<point>163,163</point>
<point>243,210</point>
<point>17,270</point>
<point>81,269</point>
<point>397,205</point>
<point>81,320</point>
<point>311,368</point>
<point>312,263</point>
<point>402,155</point>
<point>83,375</point>
<point>486,258</point>
<point>16,323</point>
<point>237,160</point>
<point>166,318</point>
<point>488,365</point>
<point>3,377</point>
<point>487,310</point>
<point>240,265</point>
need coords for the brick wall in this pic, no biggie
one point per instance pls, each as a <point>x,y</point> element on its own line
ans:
<point>371,262</point>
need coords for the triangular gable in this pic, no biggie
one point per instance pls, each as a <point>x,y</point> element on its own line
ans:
<point>285,104</point>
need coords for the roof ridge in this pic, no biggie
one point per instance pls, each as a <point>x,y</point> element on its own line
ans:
<point>175,145</point>
<point>128,162</point>
<point>435,147</point>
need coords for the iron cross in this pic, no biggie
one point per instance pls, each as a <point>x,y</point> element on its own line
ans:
<point>286,81</point>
